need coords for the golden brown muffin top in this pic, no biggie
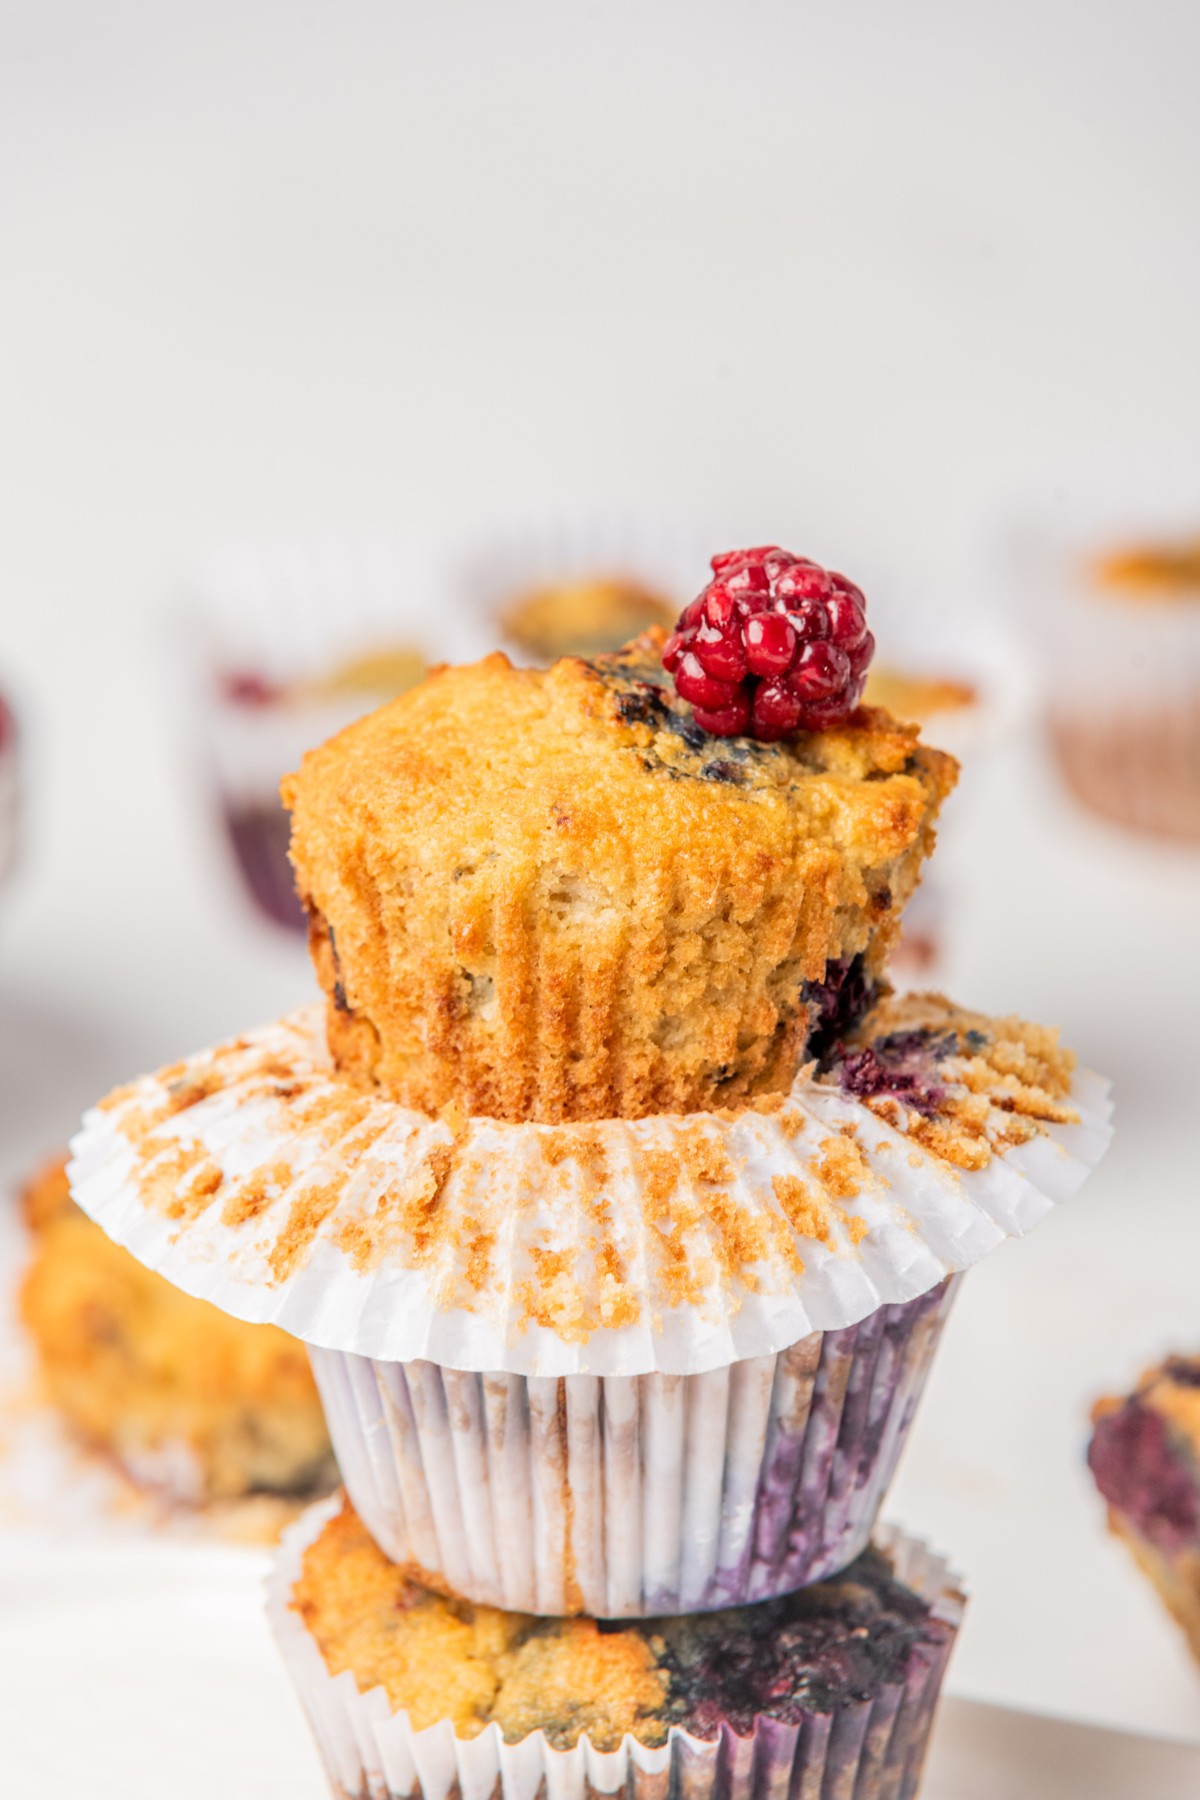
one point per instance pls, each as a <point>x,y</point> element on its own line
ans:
<point>1147,572</point>
<point>834,1643</point>
<point>549,893</point>
<point>442,1658</point>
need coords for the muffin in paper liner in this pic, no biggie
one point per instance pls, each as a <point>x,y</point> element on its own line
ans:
<point>968,682</point>
<point>630,1496</point>
<point>285,641</point>
<point>643,1364</point>
<point>550,895</point>
<point>254,1175</point>
<point>9,790</point>
<point>576,585</point>
<point>1112,591</point>
<point>871,1748</point>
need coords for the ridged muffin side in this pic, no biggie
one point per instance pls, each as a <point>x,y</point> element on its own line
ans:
<point>549,895</point>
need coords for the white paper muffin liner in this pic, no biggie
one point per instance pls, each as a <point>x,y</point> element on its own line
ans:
<point>291,611</point>
<point>1120,676</point>
<point>925,641</point>
<point>627,1496</point>
<point>863,1750</point>
<point>9,788</point>
<point>255,1177</point>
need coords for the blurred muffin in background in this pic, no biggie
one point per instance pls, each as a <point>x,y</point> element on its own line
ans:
<point>964,678</point>
<point>917,698</point>
<point>1126,727</point>
<point>8,789</point>
<point>1145,1458</point>
<point>577,586</point>
<point>188,1400</point>
<point>286,643</point>
<point>1108,577</point>
<point>923,699</point>
<point>259,728</point>
<point>585,617</point>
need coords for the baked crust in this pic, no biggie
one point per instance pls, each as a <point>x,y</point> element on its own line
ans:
<point>549,895</point>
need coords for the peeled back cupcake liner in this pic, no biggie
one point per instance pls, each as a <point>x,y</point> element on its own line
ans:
<point>633,1496</point>
<point>870,1749</point>
<point>255,1176</point>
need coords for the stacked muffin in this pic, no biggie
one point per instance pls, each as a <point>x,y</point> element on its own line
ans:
<point>620,1207</point>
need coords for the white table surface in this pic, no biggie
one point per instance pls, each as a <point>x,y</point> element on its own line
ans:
<point>276,268</point>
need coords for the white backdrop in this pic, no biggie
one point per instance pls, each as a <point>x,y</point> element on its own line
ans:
<point>852,277</point>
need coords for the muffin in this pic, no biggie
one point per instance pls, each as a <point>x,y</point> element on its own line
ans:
<point>618,1205</point>
<point>259,725</point>
<point>589,616</point>
<point>827,1691</point>
<point>1122,638</point>
<point>945,702</point>
<point>550,895</point>
<point>286,642</point>
<point>626,1367</point>
<point>180,1394</point>
<point>1145,1459</point>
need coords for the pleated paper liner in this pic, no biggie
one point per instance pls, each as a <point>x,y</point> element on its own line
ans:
<point>1120,660</point>
<point>871,1749</point>
<point>631,1496</point>
<point>256,1177</point>
<point>631,1367</point>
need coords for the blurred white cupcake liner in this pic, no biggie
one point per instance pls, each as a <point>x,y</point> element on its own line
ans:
<point>1119,675</point>
<point>9,790</point>
<point>263,626</point>
<point>633,1496</point>
<point>970,647</point>
<point>864,1749</point>
<point>667,558</point>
